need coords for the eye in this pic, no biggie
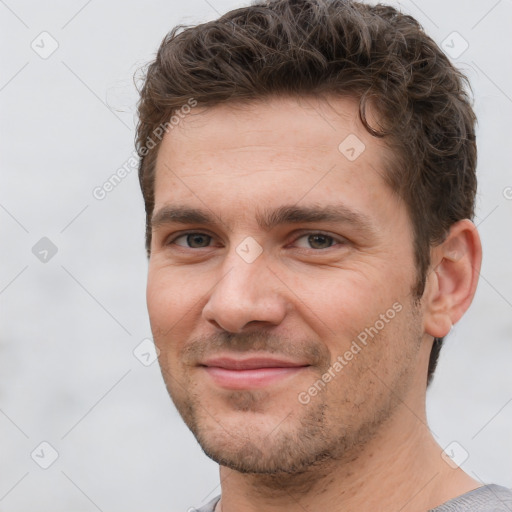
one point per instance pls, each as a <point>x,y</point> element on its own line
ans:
<point>193,240</point>
<point>313,240</point>
<point>318,241</point>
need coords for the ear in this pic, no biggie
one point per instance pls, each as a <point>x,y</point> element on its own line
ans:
<point>452,279</point>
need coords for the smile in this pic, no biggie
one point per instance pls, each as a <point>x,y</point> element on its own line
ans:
<point>250,373</point>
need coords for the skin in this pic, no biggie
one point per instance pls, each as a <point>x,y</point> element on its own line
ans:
<point>362,442</point>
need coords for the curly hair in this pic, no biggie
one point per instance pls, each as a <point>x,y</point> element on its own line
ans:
<point>375,54</point>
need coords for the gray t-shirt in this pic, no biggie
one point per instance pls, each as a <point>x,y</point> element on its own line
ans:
<point>488,498</point>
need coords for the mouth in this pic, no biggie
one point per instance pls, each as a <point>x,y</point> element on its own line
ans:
<point>250,373</point>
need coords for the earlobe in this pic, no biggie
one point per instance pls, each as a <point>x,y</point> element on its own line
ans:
<point>453,277</point>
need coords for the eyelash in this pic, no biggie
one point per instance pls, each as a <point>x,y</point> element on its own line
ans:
<point>339,240</point>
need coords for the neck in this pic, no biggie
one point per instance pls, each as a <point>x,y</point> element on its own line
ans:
<point>400,469</point>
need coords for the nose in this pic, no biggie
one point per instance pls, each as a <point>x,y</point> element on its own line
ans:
<point>248,293</point>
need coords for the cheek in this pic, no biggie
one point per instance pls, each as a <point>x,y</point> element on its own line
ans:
<point>341,302</point>
<point>384,358</point>
<point>170,302</point>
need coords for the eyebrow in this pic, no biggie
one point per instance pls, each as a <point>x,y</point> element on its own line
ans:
<point>268,219</point>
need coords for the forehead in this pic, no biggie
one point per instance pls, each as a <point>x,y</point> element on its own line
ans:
<point>280,150</point>
<point>301,123</point>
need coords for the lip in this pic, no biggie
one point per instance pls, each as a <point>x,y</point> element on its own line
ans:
<point>250,373</point>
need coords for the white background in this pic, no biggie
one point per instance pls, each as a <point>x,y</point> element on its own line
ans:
<point>68,375</point>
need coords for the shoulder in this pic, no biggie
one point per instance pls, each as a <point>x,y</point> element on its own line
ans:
<point>488,498</point>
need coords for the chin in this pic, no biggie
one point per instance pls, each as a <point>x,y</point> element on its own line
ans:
<point>264,458</point>
<point>265,444</point>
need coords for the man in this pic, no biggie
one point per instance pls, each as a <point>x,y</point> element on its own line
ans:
<point>308,171</point>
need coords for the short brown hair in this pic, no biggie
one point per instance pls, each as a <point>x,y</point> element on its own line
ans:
<point>376,54</point>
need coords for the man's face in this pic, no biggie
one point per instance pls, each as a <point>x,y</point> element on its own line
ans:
<point>253,309</point>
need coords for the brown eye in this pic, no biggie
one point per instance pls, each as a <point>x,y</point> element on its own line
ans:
<point>320,241</point>
<point>317,241</point>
